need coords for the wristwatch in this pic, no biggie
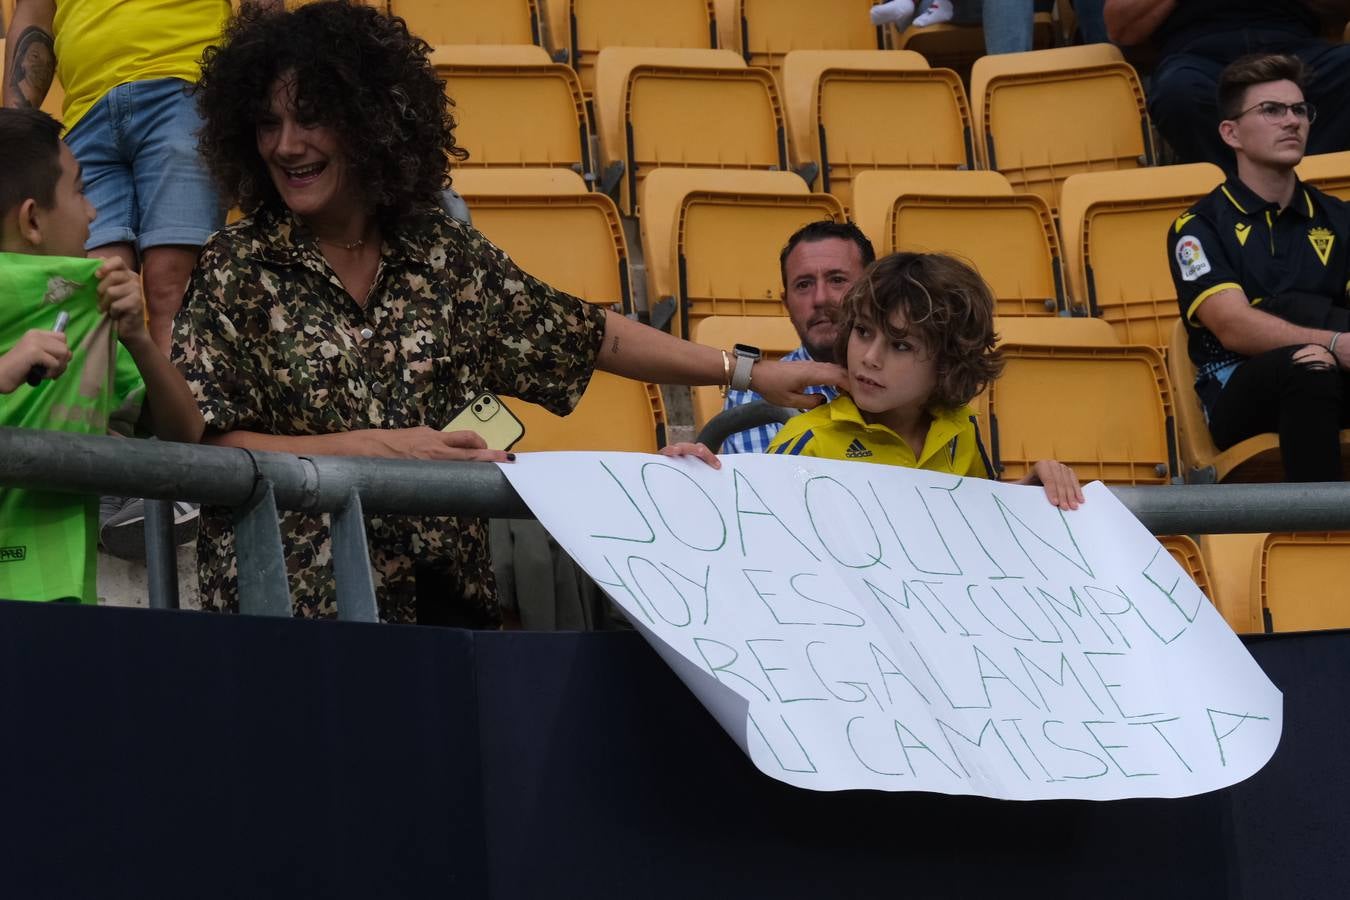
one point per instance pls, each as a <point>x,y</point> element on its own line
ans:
<point>746,357</point>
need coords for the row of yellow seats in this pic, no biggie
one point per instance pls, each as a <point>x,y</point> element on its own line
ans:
<point>1037,117</point>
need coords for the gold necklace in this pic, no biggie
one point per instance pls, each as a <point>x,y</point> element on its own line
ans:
<point>354,245</point>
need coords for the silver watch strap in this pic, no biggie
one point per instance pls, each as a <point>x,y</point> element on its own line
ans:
<point>740,376</point>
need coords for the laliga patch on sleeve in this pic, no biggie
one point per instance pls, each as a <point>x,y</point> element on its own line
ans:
<point>1191,258</point>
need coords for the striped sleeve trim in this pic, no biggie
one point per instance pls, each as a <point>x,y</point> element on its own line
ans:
<point>1206,294</point>
<point>794,448</point>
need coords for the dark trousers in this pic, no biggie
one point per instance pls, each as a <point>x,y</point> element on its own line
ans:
<point>1306,405</point>
<point>1183,104</point>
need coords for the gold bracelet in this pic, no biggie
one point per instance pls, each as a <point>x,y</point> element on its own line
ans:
<point>726,372</point>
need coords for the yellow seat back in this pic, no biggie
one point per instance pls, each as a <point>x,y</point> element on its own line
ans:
<point>573,242</point>
<point>1329,172</point>
<point>770,29</point>
<point>615,414</point>
<point>1113,225</point>
<point>1300,581</point>
<point>1010,240</point>
<point>726,251</point>
<point>597,24</point>
<point>1228,560</point>
<point>876,190</point>
<point>1048,114</point>
<point>470,21</point>
<point>1104,410</point>
<point>518,115</point>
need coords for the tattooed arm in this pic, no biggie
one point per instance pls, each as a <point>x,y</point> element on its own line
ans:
<point>30,54</point>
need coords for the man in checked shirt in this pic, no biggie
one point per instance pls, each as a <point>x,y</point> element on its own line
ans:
<point>819,264</point>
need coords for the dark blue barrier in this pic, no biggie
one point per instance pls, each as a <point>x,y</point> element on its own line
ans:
<point>165,754</point>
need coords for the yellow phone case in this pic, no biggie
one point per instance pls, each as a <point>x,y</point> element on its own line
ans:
<point>488,417</point>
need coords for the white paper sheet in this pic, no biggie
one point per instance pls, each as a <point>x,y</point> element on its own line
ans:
<point>867,626</point>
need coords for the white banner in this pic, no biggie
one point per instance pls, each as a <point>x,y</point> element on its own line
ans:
<point>869,626</point>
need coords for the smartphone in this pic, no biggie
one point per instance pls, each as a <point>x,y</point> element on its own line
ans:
<point>489,418</point>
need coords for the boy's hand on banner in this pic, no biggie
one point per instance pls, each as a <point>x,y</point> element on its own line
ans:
<point>120,297</point>
<point>36,348</point>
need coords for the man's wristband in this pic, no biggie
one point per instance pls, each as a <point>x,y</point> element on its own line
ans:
<point>1331,344</point>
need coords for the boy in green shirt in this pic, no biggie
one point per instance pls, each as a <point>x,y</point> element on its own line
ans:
<point>104,360</point>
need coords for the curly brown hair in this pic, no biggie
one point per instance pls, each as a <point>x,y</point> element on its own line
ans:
<point>945,303</point>
<point>356,71</point>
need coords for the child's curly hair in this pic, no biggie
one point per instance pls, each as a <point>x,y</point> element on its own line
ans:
<point>357,71</point>
<point>945,303</point>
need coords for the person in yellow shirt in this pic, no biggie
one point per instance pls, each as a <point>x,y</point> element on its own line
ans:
<point>916,332</point>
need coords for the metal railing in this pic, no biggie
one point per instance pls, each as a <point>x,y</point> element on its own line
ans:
<point>256,485</point>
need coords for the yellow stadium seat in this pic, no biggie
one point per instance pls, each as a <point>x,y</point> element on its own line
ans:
<point>1048,114</point>
<point>684,108</point>
<point>775,336</point>
<point>615,414</point>
<point>1186,552</point>
<point>726,251</point>
<point>1009,238</point>
<point>1256,459</point>
<point>506,182</point>
<point>489,54</point>
<point>1104,410</point>
<point>470,21</point>
<point>532,116</point>
<point>573,242</point>
<point>1113,225</point>
<point>1300,581</point>
<point>1228,560</point>
<point>833,99</point>
<point>770,29</point>
<point>875,191</point>
<point>597,24</point>
<point>1328,171</point>
<point>663,193</point>
<point>1068,331</point>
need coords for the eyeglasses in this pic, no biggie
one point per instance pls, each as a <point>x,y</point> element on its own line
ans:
<point>1273,111</point>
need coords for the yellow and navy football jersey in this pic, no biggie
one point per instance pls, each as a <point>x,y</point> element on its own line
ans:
<point>836,430</point>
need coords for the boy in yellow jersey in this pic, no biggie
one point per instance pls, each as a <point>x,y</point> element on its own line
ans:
<point>47,539</point>
<point>916,333</point>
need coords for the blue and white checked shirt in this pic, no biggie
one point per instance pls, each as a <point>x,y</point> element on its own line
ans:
<point>756,440</point>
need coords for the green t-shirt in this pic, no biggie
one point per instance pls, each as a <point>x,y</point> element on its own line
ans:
<point>48,541</point>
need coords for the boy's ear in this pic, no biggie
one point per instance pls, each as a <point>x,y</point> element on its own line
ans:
<point>29,222</point>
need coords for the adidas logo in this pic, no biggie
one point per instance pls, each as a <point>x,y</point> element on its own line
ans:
<point>856,450</point>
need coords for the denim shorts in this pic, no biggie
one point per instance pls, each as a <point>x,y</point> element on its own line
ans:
<point>138,148</point>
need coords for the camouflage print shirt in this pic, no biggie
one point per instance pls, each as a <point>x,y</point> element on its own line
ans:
<point>270,341</point>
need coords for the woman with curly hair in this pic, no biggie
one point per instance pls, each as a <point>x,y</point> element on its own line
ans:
<point>349,315</point>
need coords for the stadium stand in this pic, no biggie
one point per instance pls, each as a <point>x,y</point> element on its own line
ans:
<point>1048,114</point>
<point>1113,225</point>
<point>770,29</point>
<point>596,24</point>
<point>591,264</point>
<point>1299,583</point>
<point>832,98</point>
<point>1328,171</point>
<point>663,194</point>
<point>724,244</point>
<point>1256,459</point>
<point>1009,238</point>
<point>683,108</point>
<point>471,21</point>
<point>1125,441</point>
<point>773,335</point>
<point>547,124</point>
<point>614,414</point>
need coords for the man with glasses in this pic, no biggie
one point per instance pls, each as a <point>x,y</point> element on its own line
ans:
<point>1261,267</point>
<point>1195,39</point>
